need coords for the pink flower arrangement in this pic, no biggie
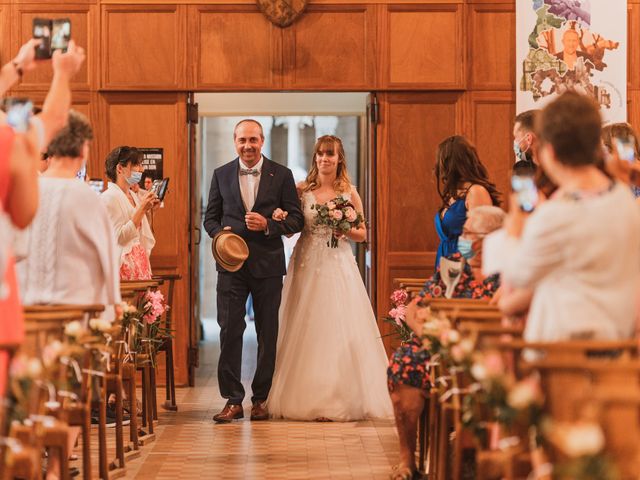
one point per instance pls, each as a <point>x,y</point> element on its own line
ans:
<point>398,314</point>
<point>154,306</point>
<point>399,297</point>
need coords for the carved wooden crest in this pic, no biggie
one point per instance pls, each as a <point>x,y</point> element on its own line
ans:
<point>282,12</point>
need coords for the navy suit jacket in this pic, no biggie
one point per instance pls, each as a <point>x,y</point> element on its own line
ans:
<point>276,189</point>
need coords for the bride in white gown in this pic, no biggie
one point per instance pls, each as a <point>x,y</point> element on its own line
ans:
<point>331,364</point>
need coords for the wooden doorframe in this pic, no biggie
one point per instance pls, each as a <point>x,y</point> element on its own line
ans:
<point>367,146</point>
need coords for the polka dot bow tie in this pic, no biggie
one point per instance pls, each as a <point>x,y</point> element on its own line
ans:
<point>249,171</point>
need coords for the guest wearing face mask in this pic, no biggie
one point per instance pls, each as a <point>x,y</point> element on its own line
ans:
<point>128,212</point>
<point>407,376</point>
<point>524,138</point>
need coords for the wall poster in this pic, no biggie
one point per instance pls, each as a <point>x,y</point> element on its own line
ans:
<point>578,45</point>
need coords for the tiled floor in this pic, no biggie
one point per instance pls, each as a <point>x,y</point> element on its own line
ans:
<point>190,446</point>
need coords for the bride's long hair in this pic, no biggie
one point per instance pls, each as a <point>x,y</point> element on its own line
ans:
<point>329,144</point>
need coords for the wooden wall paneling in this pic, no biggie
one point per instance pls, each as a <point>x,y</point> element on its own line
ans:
<point>633,45</point>
<point>6,46</point>
<point>410,129</point>
<point>634,109</point>
<point>159,120</point>
<point>332,47</point>
<point>144,47</point>
<point>423,47</point>
<point>492,46</point>
<point>84,26</point>
<point>489,125</point>
<point>233,48</point>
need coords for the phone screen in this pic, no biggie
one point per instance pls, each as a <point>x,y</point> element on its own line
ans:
<point>526,190</point>
<point>42,30</point>
<point>19,113</point>
<point>60,34</point>
<point>97,184</point>
<point>160,188</point>
<point>624,147</point>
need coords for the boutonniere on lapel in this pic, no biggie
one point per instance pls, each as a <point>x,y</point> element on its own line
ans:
<point>271,174</point>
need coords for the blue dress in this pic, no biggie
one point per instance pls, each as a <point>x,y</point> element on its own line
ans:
<point>449,228</point>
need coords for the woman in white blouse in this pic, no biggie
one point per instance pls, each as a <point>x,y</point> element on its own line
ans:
<point>128,212</point>
<point>580,250</point>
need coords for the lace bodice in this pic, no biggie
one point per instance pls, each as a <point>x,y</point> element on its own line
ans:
<point>319,234</point>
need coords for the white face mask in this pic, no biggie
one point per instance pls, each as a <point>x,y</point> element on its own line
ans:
<point>82,173</point>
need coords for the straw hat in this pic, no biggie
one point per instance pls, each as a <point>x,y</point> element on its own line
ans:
<point>229,250</point>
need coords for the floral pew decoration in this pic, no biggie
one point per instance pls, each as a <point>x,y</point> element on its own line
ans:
<point>397,315</point>
<point>142,325</point>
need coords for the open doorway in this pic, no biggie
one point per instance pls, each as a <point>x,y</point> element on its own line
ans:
<point>291,122</point>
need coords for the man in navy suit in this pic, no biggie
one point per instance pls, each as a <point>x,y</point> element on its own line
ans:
<point>243,195</point>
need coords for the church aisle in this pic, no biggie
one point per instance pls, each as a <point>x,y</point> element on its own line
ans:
<point>190,446</point>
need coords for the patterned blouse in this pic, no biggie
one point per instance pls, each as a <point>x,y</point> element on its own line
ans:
<point>408,365</point>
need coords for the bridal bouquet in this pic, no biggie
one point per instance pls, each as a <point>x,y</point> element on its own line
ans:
<point>339,215</point>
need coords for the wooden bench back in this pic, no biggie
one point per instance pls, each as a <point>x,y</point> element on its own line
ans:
<point>44,326</point>
<point>614,385</point>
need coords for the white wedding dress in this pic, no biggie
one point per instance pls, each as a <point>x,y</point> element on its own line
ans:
<point>330,362</point>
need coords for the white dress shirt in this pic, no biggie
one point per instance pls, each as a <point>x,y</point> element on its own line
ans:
<point>249,184</point>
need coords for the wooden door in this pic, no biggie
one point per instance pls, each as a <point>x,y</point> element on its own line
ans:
<point>410,127</point>
<point>158,120</point>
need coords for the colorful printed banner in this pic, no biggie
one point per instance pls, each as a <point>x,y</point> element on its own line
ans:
<point>576,45</point>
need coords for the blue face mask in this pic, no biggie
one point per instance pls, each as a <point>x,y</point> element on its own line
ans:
<point>134,178</point>
<point>521,155</point>
<point>465,247</point>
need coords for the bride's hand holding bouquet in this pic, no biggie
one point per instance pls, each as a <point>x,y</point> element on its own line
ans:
<point>340,215</point>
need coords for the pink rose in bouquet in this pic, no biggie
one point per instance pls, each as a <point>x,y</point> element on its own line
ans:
<point>339,215</point>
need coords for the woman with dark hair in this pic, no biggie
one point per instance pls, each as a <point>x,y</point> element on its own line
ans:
<point>128,212</point>
<point>463,183</point>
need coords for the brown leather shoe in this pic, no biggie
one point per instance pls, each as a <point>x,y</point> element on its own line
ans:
<point>229,412</point>
<point>259,412</point>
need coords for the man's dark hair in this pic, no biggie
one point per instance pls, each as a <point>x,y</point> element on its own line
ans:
<point>572,125</point>
<point>524,168</point>
<point>527,120</point>
<point>121,156</point>
<point>69,141</point>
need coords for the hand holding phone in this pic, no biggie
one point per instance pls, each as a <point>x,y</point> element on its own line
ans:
<point>526,192</point>
<point>160,188</point>
<point>625,148</point>
<point>53,35</point>
<point>19,111</point>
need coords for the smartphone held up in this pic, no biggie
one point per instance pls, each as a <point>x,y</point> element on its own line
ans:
<point>54,35</point>
<point>625,148</point>
<point>526,191</point>
<point>19,112</point>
